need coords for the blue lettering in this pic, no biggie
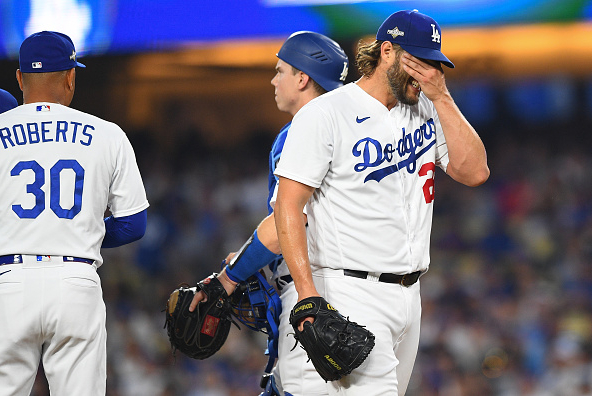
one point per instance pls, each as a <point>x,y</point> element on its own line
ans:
<point>373,155</point>
<point>418,137</point>
<point>432,126</point>
<point>33,133</point>
<point>61,128</point>
<point>16,134</point>
<point>5,136</point>
<point>388,152</point>
<point>45,131</point>
<point>76,125</point>
<point>372,148</point>
<point>87,143</point>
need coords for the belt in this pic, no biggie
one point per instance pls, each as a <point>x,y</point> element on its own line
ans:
<point>18,259</point>
<point>283,281</point>
<point>404,280</point>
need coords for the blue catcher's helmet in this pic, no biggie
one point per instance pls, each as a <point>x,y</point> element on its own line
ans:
<point>318,56</point>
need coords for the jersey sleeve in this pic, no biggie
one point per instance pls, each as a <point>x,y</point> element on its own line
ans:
<point>308,150</point>
<point>127,195</point>
<point>274,198</point>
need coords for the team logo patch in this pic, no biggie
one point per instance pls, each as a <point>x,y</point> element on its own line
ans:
<point>73,56</point>
<point>435,34</point>
<point>395,32</point>
<point>36,65</point>
<point>210,325</point>
<point>43,108</point>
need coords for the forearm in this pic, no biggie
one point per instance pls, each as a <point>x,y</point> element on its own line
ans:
<point>268,234</point>
<point>466,152</point>
<point>467,158</point>
<point>291,232</point>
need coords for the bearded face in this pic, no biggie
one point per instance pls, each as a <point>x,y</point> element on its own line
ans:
<point>404,87</point>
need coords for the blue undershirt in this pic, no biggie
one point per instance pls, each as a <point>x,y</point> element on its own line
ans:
<point>123,230</point>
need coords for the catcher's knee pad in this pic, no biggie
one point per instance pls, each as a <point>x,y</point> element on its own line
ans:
<point>270,387</point>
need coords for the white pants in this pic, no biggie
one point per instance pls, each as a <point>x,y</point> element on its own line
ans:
<point>293,372</point>
<point>52,312</point>
<point>393,313</point>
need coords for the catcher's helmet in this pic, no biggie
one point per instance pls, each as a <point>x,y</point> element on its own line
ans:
<point>318,56</point>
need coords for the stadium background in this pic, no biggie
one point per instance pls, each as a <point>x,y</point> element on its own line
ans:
<point>508,299</point>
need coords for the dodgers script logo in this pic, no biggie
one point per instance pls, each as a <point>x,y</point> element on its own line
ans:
<point>412,145</point>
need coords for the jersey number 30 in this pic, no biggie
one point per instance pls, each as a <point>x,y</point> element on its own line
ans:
<point>54,189</point>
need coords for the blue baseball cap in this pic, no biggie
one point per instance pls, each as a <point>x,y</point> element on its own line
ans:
<point>7,101</point>
<point>416,33</point>
<point>45,52</point>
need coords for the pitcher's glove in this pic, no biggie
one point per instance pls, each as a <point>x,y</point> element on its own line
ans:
<point>335,345</point>
<point>201,333</point>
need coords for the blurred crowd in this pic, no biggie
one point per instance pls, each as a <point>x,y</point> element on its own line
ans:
<point>507,302</point>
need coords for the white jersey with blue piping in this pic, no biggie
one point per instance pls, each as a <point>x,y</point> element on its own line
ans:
<point>60,169</point>
<point>373,173</point>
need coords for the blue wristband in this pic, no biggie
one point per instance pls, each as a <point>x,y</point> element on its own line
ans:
<point>251,257</point>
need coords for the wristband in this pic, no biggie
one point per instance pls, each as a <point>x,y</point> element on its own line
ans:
<point>251,257</point>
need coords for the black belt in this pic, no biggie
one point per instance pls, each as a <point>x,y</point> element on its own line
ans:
<point>404,280</point>
<point>18,259</point>
<point>283,281</point>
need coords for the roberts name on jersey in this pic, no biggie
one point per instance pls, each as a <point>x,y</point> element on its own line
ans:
<point>47,131</point>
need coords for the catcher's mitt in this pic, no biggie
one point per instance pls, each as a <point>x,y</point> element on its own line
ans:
<point>335,345</point>
<point>201,333</point>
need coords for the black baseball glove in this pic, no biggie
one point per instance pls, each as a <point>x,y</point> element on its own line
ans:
<point>335,345</point>
<point>201,333</point>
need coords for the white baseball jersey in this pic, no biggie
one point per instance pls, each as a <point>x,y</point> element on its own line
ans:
<point>373,170</point>
<point>59,170</point>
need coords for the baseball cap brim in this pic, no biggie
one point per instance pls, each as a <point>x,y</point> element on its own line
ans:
<point>428,53</point>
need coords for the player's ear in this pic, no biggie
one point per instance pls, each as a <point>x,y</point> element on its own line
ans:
<point>19,78</point>
<point>71,79</point>
<point>386,49</point>
<point>303,80</point>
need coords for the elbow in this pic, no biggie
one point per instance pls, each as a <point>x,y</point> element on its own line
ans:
<point>479,177</point>
<point>472,178</point>
<point>137,226</point>
<point>141,225</point>
<point>139,235</point>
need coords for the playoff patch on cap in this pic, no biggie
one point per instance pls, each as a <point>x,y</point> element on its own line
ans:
<point>46,51</point>
<point>416,33</point>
